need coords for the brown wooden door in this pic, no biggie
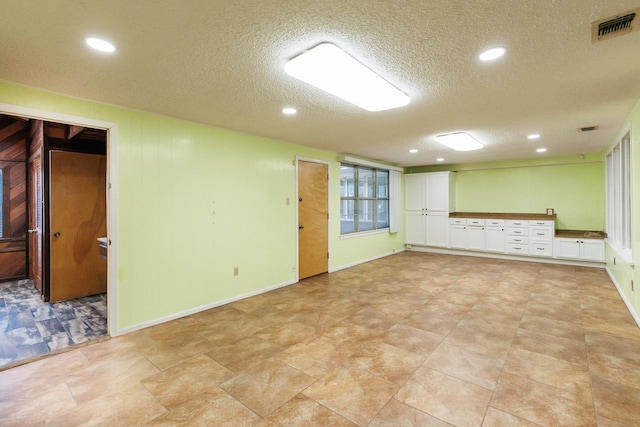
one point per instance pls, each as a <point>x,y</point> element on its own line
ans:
<point>313,219</point>
<point>77,209</point>
<point>35,221</point>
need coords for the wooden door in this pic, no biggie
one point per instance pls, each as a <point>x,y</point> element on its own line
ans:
<point>77,210</point>
<point>35,221</point>
<point>313,219</point>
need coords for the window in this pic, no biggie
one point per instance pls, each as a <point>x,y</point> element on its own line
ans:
<point>618,194</point>
<point>364,198</point>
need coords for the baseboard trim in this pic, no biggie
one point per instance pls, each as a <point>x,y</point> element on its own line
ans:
<point>199,309</point>
<point>362,261</point>
<point>445,251</point>
<point>635,315</point>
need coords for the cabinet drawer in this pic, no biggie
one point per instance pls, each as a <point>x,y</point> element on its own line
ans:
<point>517,249</point>
<point>542,223</point>
<point>540,249</point>
<point>518,240</point>
<point>517,223</point>
<point>458,221</point>
<point>541,233</point>
<point>517,231</point>
<point>495,222</point>
<point>475,221</point>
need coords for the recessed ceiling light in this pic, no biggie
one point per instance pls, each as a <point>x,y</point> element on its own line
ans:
<point>100,44</point>
<point>331,69</point>
<point>541,150</point>
<point>533,136</point>
<point>413,150</point>
<point>459,141</point>
<point>289,111</point>
<point>491,54</point>
<point>439,159</point>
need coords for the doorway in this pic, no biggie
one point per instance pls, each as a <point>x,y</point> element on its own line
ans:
<point>75,125</point>
<point>313,218</point>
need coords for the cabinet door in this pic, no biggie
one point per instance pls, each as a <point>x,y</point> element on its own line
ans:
<point>494,239</point>
<point>437,224</point>
<point>475,238</point>
<point>458,236</point>
<point>567,248</point>
<point>415,232</point>
<point>437,192</point>
<point>592,250</point>
<point>414,188</point>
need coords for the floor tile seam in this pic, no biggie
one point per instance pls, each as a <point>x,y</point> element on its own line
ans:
<point>553,336</point>
<point>528,421</point>
<point>563,391</point>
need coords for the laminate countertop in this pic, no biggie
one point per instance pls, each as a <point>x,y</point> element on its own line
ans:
<point>581,234</point>
<point>499,215</point>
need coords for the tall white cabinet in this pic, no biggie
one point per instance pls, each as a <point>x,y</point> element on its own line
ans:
<point>429,197</point>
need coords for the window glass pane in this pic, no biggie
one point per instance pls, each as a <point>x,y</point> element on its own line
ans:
<point>347,181</point>
<point>365,183</point>
<point>383,214</point>
<point>347,216</point>
<point>365,215</point>
<point>382,182</point>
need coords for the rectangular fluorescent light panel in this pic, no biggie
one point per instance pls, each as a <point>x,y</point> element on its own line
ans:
<point>331,69</point>
<point>459,141</point>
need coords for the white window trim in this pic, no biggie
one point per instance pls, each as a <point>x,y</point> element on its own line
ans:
<point>395,190</point>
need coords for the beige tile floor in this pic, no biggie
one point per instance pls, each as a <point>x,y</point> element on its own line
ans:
<point>409,340</point>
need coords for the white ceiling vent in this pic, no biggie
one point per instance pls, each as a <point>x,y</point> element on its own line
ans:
<point>613,26</point>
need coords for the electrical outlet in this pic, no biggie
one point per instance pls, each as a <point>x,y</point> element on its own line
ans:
<point>288,201</point>
<point>236,271</point>
<point>293,269</point>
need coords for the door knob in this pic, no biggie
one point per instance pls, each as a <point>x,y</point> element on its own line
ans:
<point>300,227</point>
<point>56,234</point>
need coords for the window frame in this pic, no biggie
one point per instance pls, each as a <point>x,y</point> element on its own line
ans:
<point>356,199</point>
<point>618,196</point>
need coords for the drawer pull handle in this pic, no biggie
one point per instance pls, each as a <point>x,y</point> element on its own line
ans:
<point>540,234</point>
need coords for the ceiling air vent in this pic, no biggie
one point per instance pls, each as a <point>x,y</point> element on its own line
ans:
<point>587,128</point>
<point>617,25</point>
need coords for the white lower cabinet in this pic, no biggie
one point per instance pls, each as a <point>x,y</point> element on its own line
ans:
<point>475,238</point>
<point>494,239</point>
<point>426,228</point>
<point>457,236</point>
<point>437,229</point>
<point>541,238</point>
<point>517,237</point>
<point>579,249</point>
<point>415,228</point>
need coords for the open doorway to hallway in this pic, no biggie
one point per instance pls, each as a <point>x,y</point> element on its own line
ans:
<point>53,277</point>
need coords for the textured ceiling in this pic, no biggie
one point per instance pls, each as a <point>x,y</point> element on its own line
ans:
<point>221,63</point>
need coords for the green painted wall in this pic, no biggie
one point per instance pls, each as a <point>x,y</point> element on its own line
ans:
<point>572,186</point>
<point>195,201</point>
<point>624,272</point>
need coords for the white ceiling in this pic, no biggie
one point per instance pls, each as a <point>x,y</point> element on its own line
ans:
<point>220,62</point>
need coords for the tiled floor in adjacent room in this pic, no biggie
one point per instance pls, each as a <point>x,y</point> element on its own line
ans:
<point>31,328</point>
<point>412,339</point>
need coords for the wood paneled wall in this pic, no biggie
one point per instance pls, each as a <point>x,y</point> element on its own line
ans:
<point>13,162</point>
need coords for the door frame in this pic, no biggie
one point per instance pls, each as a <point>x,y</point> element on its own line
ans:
<point>112,193</point>
<point>297,261</point>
